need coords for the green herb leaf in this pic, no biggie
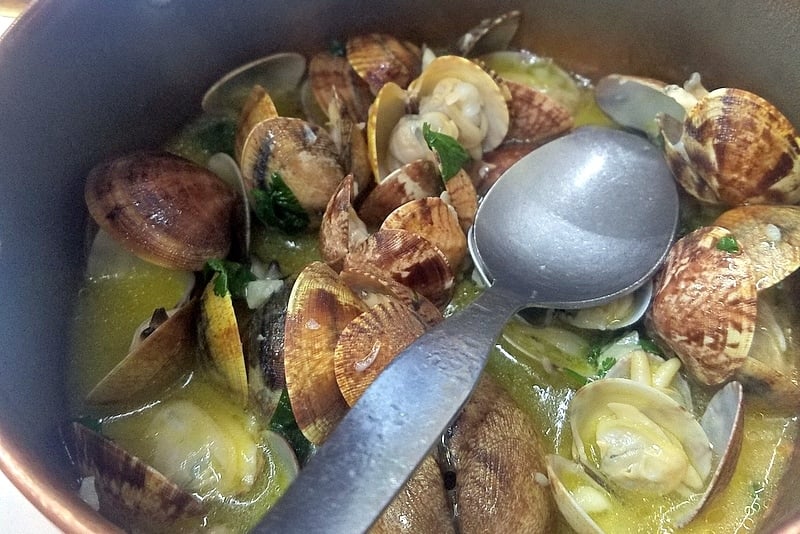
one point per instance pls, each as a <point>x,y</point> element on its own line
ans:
<point>604,366</point>
<point>231,276</point>
<point>728,244</point>
<point>648,345</point>
<point>283,422</point>
<point>277,206</point>
<point>450,153</point>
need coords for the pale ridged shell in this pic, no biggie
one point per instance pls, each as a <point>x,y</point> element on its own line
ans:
<point>535,116</point>
<point>436,221</point>
<point>302,153</point>
<point>390,105</point>
<point>491,35</point>
<point>704,306</point>
<point>329,74</point>
<point>130,491</point>
<point>461,194</point>
<point>380,58</point>
<point>415,180</point>
<point>341,229</point>
<point>770,236</point>
<point>258,107</point>
<point>320,307</point>
<point>496,455</point>
<point>374,289</point>
<point>155,363</point>
<point>370,342</point>
<point>736,148</point>
<point>162,208</point>
<point>408,259</point>
<point>421,506</point>
<point>560,469</point>
<point>219,329</point>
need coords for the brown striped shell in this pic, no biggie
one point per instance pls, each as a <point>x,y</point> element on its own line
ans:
<point>461,194</point>
<point>535,116</point>
<point>370,342</point>
<point>704,305</point>
<point>130,491</point>
<point>163,208</point>
<point>408,259</point>
<point>320,307</point>
<point>341,229</point>
<point>331,75</point>
<point>770,236</point>
<point>379,58</point>
<point>735,148</point>
<point>374,289</point>
<point>436,221</point>
<point>303,154</point>
<point>495,162</point>
<point>418,179</point>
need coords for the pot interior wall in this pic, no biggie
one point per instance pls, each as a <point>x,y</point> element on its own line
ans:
<point>84,80</point>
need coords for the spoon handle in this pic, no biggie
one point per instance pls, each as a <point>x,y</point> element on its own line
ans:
<point>393,426</point>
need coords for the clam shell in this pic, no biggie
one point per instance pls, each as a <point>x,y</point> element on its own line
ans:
<point>499,466</point>
<point>768,386</point>
<point>560,469</point>
<point>408,259</point>
<point>380,58</point>
<point>130,491</point>
<point>162,208</point>
<point>328,75</point>
<point>495,162</point>
<point>256,108</point>
<point>227,169</point>
<point>461,194</point>
<point>370,342</point>
<point>704,306</point>
<point>219,330</point>
<point>351,143</point>
<point>412,181</point>
<point>341,229</point>
<point>320,307</point>
<point>278,73</point>
<point>534,116</point>
<point>390,105</point>
<point>491,35</point>
<point>302,153</point>
<point>740,147</point>
<point>374,289</point>
<point>770,236</point>
<point>436,221</point>
<point>421,506</point>
<point>154,363</point>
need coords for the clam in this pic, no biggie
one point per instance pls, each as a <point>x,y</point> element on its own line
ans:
<point>412,181</point>
<point>534,116</point>
<point>374,289</point>
<point>369,342</point>
<point>341,229</point>
<point>301,153</point>
<point>256,108</point>
<point>733,148</point>
<point>278,74</point>
<point>320,307</point>
<point>461,194</point>
<point>491,35</point>
<point>129,490</point>
<point>391,104</point>
<point>577,494</point>
<point>219,331</point>
<point>161,352</point>
<point>495,162</point>
<point>436,221</point>
<point>351,143</point>
<point>380,58</point>
<point>498,463</point>
<point>407,258</point>
<point>712,336</point>
<point>619,313</point>
<point>163,208</point>
<point>227,169</point>
<point>331,75</point>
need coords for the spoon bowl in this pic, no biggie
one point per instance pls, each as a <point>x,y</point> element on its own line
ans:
<point>580,221</point>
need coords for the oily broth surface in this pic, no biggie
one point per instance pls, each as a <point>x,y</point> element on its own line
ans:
<point>110,307</point>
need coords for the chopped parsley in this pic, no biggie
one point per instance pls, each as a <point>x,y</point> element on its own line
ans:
<point>284,423</point>
<point>728,244</point>
<point>648,345</point>
<point>277,206</point>
<point>231,276</point>
<point>450,153</point>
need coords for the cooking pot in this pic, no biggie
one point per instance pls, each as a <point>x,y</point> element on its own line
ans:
<point>84,80</point>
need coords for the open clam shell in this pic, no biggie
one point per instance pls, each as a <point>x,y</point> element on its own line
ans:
<point>619,313</point>
<point>495,162</point>
<point>227,169</point>
<point>331,75</point>
<point>491,35</point>
<point>418,179</point>
<point>379,58</point>
<point>278,74</point>
<point>163,208</point>
<point>341,229</point>
<point>461,194</point>
<point>320,307</point>
<point>577,494</point>
<point>256,108</point>
<point>534,116</point>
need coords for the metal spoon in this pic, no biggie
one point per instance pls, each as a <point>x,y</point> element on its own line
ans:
<point>579,221</point>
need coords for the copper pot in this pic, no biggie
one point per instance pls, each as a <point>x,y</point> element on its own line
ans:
<point>83,80</point>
